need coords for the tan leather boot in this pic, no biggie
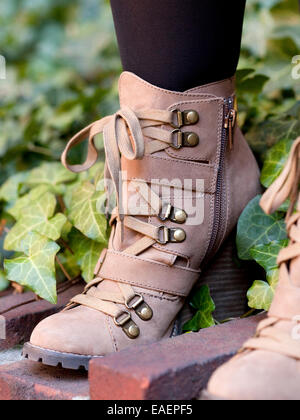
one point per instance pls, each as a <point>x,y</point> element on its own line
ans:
<point>268,366</point>
<point>187,174</point>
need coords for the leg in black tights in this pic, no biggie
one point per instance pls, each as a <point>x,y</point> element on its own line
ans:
<point>179,44</point>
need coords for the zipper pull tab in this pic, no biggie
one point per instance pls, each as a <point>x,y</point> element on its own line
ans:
<point>229,124</point>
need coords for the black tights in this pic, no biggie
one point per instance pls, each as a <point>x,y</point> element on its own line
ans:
<point>179,44</point>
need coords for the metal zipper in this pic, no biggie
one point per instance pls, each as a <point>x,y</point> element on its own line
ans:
<point>230,115</point>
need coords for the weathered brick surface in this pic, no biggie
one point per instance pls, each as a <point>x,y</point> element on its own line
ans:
<point>27,380</point>
<point>11,356</point>
<point>172,369</point>
<point>6,292</point>
<point>23,312</point>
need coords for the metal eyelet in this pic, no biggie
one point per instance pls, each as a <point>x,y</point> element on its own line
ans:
<point>179,216</point>
<point>177,141</point>
<point>188,117</point>
<point>177,235</point>
<point>166,210</point>
<point>140,307</point>
<point>134,302</point>
<point>124,321</point>
<point>166,235</point>
<point>176,215</point>
<point>163,235</point>
<point>183,139</point>
<point>190,139</point>
<point>179,117</point>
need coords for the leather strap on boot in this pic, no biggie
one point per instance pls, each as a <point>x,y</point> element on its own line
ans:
<point>271,338</point>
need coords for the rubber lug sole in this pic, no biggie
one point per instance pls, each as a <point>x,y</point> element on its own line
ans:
<point>57,359</point>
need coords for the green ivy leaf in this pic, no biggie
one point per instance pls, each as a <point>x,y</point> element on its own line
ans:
<point>66,229</point>
<point>4,283</point>
<point>268,133</point>
<point>253,84</point>
<point>205,306</point>
<point>17,210</point>
<point>63,120</point>
<point>84,214</point>
<point>257,228</point>
<point>36,268</point>
<point>37,217</point>
<point>94,174</point>
<point>68,193</point>
<point>10,190</point>
<point>242,75</point>
<point>86,253</point>
<point>52,174</point>
<point>261,294</point>
<point>276,159</point>
<point>266,255</point>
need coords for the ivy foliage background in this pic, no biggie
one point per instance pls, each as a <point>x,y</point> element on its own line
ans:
<point>62,71</point>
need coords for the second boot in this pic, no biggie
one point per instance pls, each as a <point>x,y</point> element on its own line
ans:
<point>268,365</point>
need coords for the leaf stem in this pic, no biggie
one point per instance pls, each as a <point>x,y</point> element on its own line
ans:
<point>18,289</point>
<point>61,203</point>
<point>67,246</point>
<point>2,226</point>
<point>63,268</point>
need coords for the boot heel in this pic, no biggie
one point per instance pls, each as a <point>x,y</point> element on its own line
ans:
<point>229,280</point>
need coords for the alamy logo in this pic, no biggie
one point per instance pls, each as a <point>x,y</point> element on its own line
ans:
<point>139,198</point>
<point>2,68</point>
<point>296,68</point>
<point>2,328</point>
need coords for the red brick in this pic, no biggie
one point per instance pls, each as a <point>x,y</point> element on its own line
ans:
<point>177,368</point>
<point>23,312</point>
<point>27,380</point>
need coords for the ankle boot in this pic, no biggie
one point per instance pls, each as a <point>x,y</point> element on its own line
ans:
<point>268,366</point>
<point>182,173</point>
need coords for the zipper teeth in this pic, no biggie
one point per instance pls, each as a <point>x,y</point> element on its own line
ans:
<point>217,212</point>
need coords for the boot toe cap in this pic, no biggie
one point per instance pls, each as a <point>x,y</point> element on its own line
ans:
<point>258,375</point>
<point>81,331</point>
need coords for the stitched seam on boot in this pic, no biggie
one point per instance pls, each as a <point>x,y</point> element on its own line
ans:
<point>179,162</point>
<point>113,339</point>
<point>162,297</point>
<point>64,352</point>
<point>157,264</point>
<point>167,92</point>
<point>150,286</point>
<point>229,79</point>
